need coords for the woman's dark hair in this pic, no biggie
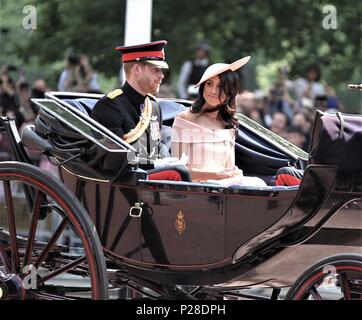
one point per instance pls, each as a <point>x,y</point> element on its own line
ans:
<point>229,84</point>
<point>314,67</point>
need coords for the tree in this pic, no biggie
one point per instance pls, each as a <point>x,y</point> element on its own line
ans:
<point>94,28</point>
<point>275,30</point>
<point>288,30</point>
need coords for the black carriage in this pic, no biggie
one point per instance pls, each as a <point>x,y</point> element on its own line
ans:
<point>106,226</point>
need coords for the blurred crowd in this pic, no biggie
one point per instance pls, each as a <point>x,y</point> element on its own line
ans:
<point>287,108</point>
<point>15,101</point>
<point>78,75</point>
<point>16,92</point>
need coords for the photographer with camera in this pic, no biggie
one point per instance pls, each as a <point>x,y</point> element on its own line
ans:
<point>8,107</point>
<point>78,76</point>
<point>69,78</point>
<point>279,99</point>
<point>7,89</point>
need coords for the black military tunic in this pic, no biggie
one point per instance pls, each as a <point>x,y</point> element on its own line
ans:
<point>120,111</point>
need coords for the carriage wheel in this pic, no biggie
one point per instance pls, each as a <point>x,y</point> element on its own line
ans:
<point>337,277</point>
<point>49,248</point>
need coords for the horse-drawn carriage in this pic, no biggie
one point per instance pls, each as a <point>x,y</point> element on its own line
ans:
<point>106,226</point>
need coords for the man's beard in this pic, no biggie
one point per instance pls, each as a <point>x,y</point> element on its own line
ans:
<point>149,87</point>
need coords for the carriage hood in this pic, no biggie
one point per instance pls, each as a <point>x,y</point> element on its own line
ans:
<point>77,142</point>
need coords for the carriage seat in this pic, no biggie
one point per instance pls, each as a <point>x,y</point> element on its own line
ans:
<point>85,105</point>
<point>169,109</point>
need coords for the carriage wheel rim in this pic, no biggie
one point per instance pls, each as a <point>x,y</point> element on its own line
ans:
<point>310,282</point>
<point>93,270</point>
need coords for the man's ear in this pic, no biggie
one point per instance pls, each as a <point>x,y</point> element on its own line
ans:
<point>138,68</point>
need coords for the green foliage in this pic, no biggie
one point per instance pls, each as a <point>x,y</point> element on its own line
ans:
<point>90,27</point>
<point>270,31</point>
<point>11,31</point>
<point>267,74</point>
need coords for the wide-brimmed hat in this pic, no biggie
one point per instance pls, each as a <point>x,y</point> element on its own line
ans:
<point>218,68</point>
<point>151,53</point>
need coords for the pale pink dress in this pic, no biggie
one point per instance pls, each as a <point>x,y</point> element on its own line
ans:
<point>211,153</point>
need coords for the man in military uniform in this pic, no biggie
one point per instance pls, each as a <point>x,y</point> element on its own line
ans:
<point>132,112</point>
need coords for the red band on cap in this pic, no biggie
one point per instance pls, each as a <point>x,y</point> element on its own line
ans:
<point>142,54</point>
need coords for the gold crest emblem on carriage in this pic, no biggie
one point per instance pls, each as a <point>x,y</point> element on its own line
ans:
<point>180,223</point>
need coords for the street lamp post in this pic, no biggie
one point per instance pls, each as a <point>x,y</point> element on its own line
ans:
<point>138,24</point>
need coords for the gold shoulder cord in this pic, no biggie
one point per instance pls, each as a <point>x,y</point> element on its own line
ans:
<point>142,125</point>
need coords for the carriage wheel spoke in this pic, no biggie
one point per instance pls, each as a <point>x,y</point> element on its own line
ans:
<point>315,294</point>
<point>5,259</point>
<point>15,266</point>
<point>33,226</point>
<point>345,286</point>
<point>64,259</point>
<point>51,242</point>
<point>64,269</point>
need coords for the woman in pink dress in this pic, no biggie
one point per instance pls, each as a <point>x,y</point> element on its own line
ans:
<point>206,132</point>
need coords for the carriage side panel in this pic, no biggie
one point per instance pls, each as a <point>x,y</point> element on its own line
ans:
<point>191,227</point>
<point>248,215</point>
<point>108,207</point>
